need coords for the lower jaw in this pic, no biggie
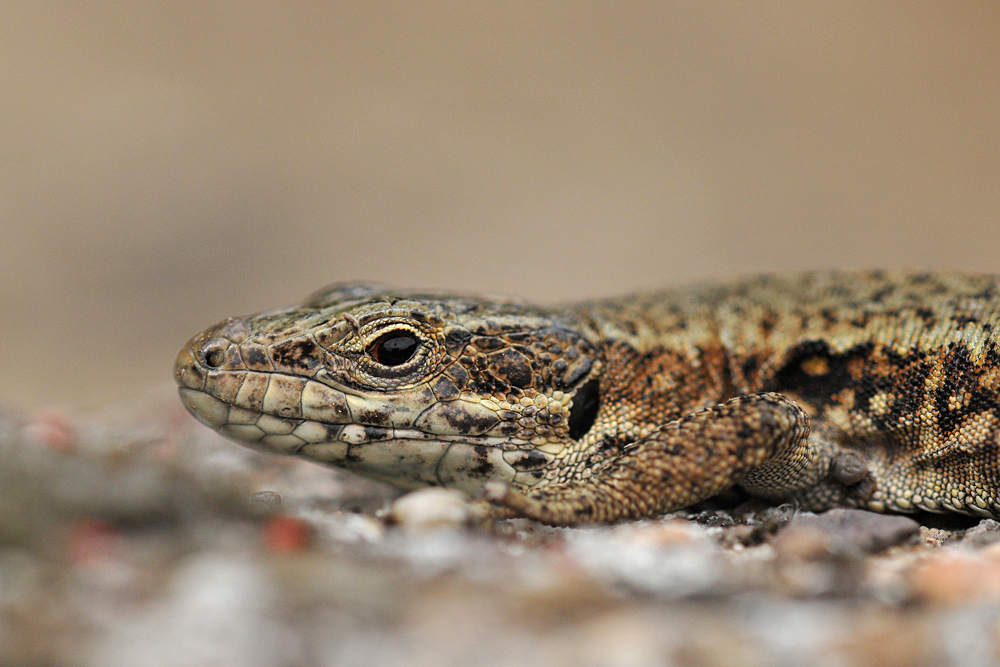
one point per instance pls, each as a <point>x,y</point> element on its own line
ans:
<point>405,458</point>
<point>411,464</point>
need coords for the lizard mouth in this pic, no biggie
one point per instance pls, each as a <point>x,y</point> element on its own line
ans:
<point>282,435</point>
<point>404,457</point>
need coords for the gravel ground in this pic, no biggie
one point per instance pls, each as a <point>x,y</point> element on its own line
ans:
<point>147,540</point>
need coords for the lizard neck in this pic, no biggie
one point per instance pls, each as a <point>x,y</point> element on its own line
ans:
<point>640,391</point>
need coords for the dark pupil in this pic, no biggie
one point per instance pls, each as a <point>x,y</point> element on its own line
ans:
<point>394,349</point>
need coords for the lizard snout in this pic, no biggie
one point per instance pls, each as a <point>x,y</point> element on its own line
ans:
<point>216,348</point>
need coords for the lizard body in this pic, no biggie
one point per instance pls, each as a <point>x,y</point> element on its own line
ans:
<point>877,390</point>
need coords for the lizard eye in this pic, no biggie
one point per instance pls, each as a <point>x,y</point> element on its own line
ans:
<point>394,348</point>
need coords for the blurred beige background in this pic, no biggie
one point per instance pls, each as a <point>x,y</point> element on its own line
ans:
<point>165,164</point>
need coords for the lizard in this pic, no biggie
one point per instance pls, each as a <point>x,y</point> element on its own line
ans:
<point>875,390</point>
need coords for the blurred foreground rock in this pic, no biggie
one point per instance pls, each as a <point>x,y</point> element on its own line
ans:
<point>147,540</point>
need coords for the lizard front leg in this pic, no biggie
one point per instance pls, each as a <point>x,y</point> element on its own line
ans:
<point>760,439</point>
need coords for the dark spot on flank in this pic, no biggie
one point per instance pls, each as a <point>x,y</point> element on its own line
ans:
<point>800,373</point>
<point>880,294</point>
<point>926,316</point>
<point>749,367</point>
<point>962,320</point>
<point>862,320</point>
<point>962,383</point>
<point>768,322</point>
<point>987,293</point>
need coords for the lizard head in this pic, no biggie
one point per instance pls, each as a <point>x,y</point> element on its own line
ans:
<point>411,389</point>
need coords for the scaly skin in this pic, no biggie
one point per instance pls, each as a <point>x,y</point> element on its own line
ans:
<point>632,407</point>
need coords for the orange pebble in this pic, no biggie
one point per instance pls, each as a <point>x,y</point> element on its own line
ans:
<point>91,540</point>
<point>956,579</point>
<point>54,429</point>
<point>286,534</point>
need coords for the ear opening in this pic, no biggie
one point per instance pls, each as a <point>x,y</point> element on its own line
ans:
<point>582,415</point>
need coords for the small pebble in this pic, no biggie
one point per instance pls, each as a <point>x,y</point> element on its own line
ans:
<point>664,533</point>
<point>431,509</point>
<point>888,640</point>
<point>265,502</point>
<point>954,578</point>
<point>91,540</point>
<point>850,532</point>
<point>286,534</point>
<point>53,429</point>
<point>934,537</point>
<point>802,542</point>
<point>984,533</point>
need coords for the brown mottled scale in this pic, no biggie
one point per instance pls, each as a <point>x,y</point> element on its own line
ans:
<point>876,390</point>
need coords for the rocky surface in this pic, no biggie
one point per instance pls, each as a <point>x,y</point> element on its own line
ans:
<point>147,540</point>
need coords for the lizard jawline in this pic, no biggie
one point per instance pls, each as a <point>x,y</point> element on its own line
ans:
<point>406,458</point>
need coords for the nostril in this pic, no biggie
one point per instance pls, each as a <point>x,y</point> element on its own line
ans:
<point>213,353</point>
